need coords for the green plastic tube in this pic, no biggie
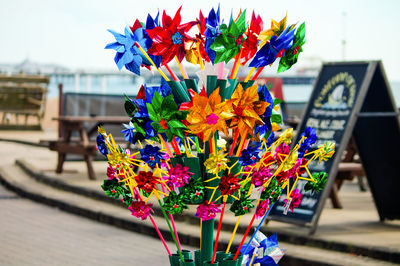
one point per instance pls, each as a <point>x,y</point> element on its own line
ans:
<point>207,240</point>
<point>179,91</point>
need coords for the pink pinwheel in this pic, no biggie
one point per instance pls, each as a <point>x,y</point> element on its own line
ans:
<point>262,208</point>
<point>207,211</point>
<point>140,209</point>
<point>296,199</point>
<point>179,175</point>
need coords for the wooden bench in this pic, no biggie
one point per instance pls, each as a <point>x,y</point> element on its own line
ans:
<point>22,95</point>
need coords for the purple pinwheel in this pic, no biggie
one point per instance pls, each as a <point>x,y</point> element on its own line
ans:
<point>274,49</point>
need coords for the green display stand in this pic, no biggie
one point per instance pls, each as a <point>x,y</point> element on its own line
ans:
<point>179,91</point>
<point>207,240</point>
<point>211,84</point>
<point>221,84</point>
<point>174,260</point>
<point>230,88</point>
<point>187,262</point>
<point>197,257</point>
<point>178,159</point>
<point>247,84</point>
<point>194,166</point>
<point>221,255</point>
<point>208,263</point>
<point>187,254</point>
<point>192,84</point>
<point>229,262</point>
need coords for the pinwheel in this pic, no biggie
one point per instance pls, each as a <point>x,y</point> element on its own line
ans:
<point>173,167</point>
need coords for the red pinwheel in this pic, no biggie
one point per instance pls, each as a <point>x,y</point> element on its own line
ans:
<point>250,45</point>
<point>169,40</point>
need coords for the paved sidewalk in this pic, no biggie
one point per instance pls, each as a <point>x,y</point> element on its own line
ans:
<point>33,234</point>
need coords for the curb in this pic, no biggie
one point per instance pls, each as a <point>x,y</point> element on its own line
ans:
<point>25,142</point>
<point>368,251</point>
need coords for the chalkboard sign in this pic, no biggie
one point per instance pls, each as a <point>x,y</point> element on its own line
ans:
<point>341,91</point>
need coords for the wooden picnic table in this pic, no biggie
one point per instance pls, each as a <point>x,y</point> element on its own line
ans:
<point>67,145</point>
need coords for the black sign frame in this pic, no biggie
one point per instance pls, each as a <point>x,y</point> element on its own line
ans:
<point>364,93</point>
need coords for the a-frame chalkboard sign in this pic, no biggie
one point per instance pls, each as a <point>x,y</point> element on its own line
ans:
<point>352,99</point>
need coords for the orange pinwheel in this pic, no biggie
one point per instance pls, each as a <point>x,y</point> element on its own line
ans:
<point>208,115</point>
<point>247,109</point>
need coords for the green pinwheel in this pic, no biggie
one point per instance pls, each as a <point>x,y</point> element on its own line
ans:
<point>114,188</point>
<point>166,116</point>
<point>242,206</point>
<point>230,41</point>
<point>174,203</point>
<point>292,54</point>
<point>272,192</point>
<point>319,185</point>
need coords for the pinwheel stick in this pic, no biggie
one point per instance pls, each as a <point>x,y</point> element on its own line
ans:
<point>151,61</point>
<point>252,259</point>
<point>249,75</point>
<point>257,73</point>
<point>171,230</point>
<point>176,233</point>
<point>221,69</point>
<point>174,76</point>
<point>219,229</point>
<point>241,145</point>
<point>181,68</point>
<point>259,225</point>
<point>236,65</point>
<point>175,146</point>
<point>166,146</point>
<point>155,226</point>
<point>244,237</point>
<point>160,235</point>
<point>233,234</point>
<point>234,141</point>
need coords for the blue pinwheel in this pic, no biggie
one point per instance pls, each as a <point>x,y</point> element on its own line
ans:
<point>311,137</point>
<point>128,54</point>
<point>274,49</point>
<point>213,21</point>
<point>265,95</point>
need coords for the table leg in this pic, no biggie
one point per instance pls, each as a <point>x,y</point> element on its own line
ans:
<point>60,162</point>
<point>337,204</point>
<point>91,173</point>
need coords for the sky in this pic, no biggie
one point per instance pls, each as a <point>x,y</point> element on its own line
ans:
<point>73,33</point>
